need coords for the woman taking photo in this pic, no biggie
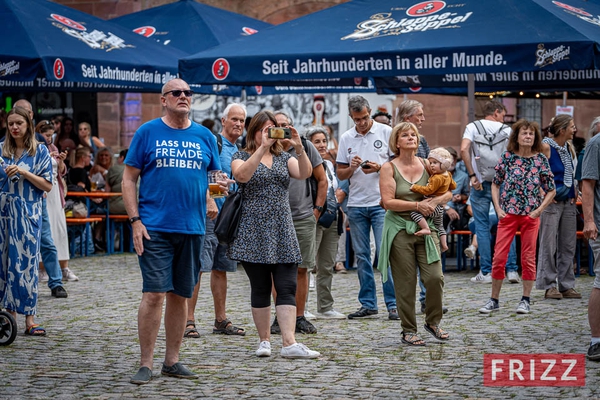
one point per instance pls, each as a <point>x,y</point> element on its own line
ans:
<point>558,223</point>
<point>266,244</point>
<point>400,247</point>
<point>27,175</point>
<point>522,188</point>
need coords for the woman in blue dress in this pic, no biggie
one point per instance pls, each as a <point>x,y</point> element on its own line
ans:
<point>21,216</point>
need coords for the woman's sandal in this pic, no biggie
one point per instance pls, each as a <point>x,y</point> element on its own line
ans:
<point>225,327</point>
<point>412,339</point>
<point>191,332</point>
<point>340,268</point>
<point>437,332</point>
<point>35,330</point>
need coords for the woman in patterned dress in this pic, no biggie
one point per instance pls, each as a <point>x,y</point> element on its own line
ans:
<point>21,216</point>
<point>266,244</point>
<point>522,188</point>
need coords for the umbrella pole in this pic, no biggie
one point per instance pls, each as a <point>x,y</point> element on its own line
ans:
<point>471,97</point>
<point>564,103</point>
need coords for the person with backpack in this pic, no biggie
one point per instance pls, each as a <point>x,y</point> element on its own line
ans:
<point>484,141</point>
<point>214,255</point>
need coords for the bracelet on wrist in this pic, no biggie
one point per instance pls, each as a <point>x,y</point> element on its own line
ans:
<point>472,175</point>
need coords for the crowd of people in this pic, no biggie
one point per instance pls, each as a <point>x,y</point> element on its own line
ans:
<point>399,198</point>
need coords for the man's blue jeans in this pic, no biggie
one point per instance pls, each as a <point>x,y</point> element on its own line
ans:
<point>480,204</point>
<point>48,251</point>
<point>362,219</point>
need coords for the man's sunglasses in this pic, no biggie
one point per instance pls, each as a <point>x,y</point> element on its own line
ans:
<point>177,93</point>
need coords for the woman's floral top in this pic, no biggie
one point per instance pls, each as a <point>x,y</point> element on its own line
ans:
<point>523,181</point>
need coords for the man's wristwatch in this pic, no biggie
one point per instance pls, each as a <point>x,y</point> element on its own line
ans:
<point>472,175</point>
<point>318,208</point>
<point>133,219</point>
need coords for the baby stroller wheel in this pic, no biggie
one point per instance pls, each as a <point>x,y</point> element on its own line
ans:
<point>8,328</point>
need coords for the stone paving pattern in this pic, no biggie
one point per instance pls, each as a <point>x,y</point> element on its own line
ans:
<point>92,349</point>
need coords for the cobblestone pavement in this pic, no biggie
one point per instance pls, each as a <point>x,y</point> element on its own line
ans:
<point>92,348</point>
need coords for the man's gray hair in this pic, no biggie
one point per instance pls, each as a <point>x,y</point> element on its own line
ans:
<point>357,103</point>
<point>286,115</point>
<point>407,109</point>
<point>230,106</point>
<point>594,127</point>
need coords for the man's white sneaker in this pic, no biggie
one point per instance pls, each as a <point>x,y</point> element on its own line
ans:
<point>513,277</point>
<point>298,350</point>
<point>471,251</point>
<point>490,306</point>
<point>69,276</point>
<point>310,316</point>
<point>523,307</point>
<point>264,349</point>
<point>482,278</point>
<point>43,276</point>
<point>331,314</point>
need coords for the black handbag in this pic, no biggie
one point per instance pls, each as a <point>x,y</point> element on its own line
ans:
<point>330,208</point>
<point>228,220</point>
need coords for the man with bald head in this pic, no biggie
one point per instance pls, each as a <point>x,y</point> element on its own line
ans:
<point>171,156</point>
<point>48,253</point>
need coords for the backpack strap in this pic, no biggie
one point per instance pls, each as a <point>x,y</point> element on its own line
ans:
<point>219,141</point>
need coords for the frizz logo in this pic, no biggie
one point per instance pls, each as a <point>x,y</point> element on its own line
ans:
<point>378,144</point>
<point>59,69</point>
<point>220,69</point>
<point>146,31</point>
<point>425,8</point>
<point>68,22</point>
<point>534,369</point>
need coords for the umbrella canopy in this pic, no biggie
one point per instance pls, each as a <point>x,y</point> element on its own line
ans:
<point>48,46</point>
<point>406,38</point>
<point>190,26</point>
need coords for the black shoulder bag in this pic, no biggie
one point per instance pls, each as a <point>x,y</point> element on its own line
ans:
<point>228,220</point>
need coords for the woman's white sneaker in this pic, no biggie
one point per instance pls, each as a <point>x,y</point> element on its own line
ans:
<point>298,350</point>
<point>264,349</point>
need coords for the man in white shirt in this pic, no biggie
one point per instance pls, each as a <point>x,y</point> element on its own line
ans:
<point>361,152</point>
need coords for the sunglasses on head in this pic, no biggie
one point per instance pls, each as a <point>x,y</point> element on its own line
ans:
<point>177,93</point>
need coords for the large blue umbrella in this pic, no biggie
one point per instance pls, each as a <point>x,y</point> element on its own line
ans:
<point>48,46</point>
<point>527,41</point>
<point>193,27</point>
<point>190,26</point>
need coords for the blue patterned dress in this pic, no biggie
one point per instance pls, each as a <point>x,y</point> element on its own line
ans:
<point>266,233</point>
<point>20,233</point>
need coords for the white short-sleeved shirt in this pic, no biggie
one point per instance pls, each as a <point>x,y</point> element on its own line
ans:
<point>491,127</point>
<point>373,146</point>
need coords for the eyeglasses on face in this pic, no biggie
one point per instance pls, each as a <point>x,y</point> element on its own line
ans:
<point>177,93</point>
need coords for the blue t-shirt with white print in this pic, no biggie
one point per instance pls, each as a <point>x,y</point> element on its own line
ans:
<point>174,165</point>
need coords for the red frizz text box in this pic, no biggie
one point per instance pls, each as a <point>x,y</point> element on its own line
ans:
<point>534,369</point>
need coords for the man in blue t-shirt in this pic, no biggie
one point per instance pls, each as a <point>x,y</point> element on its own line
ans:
<point>171,156</point>
<point>214,255</point>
